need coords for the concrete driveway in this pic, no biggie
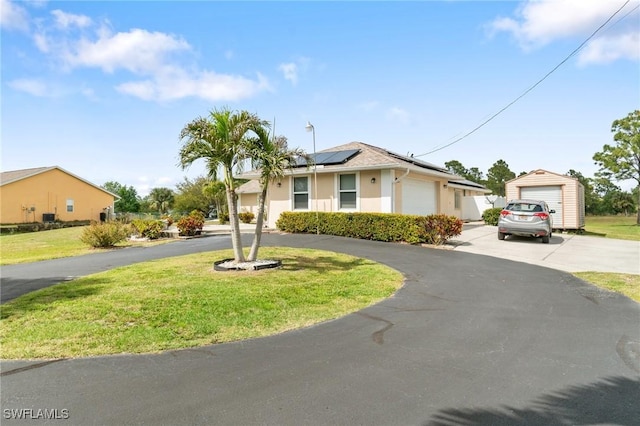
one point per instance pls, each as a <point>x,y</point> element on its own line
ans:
<point>468,340</point>
<point>565,252</point>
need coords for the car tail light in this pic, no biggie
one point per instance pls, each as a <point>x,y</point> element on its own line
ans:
<point>505,213</point>
<point>542,215</point>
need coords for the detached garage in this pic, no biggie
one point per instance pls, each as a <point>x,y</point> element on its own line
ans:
<point>562,193</point>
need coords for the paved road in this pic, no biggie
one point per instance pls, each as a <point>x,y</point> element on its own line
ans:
<point>468,340</point>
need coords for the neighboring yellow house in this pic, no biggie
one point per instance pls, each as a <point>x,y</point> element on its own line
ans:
<point>358,177</point>
<point>47,194</point>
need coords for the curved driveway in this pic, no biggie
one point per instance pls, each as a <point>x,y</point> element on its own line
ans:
<point>469,339</point>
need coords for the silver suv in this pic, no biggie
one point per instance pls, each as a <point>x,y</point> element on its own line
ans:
<point>527,218</point>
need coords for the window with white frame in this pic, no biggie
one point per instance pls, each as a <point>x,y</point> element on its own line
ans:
<point>457,200</point>
<point>301,193</point>
<point>347,189</point>
<point>69,206</point>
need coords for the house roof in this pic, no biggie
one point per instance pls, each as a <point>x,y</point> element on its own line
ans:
<point>17,175</point>
<point>251,187</point>
<point>369,157</point>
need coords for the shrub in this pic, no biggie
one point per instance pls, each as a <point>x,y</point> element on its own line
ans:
<point>246,217</point>
<point>102,235</point>
<point>491,216</point>
<point>223,217</point>
<point>413,229</point>
<point>190,225</point>
<point>167,219</point>
<point>148,228</point>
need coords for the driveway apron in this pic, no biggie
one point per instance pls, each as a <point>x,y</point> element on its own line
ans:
<point>469,339</point>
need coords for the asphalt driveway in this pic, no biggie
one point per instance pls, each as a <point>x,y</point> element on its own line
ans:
<point>469,339</point>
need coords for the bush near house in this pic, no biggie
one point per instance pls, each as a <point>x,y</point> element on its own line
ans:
<point>413,229</point>
<point>190,225</point>
<point>148,228</point>
<point>246,217</point>
<point>223,217</point>
<point>491,216</point>
<point>105,235</point>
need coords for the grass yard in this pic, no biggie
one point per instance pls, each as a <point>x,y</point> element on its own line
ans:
<point>620,227</point>
<point>51,244</point>
<point>627,284</point>
<point>182,302</point>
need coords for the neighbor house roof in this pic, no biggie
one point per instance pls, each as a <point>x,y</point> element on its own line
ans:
<point>17,175</point>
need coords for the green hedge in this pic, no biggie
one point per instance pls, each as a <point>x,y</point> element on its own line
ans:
<point>491,216</point>
<point>433,229</point>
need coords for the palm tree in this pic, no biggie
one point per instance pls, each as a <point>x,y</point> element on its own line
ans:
<point>221,140</point>
<point>273,157</point>
<point>161,199</point>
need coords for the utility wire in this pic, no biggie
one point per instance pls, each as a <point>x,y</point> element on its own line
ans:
<point>478,127</point>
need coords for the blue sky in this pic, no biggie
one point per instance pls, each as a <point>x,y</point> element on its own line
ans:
<point>102,89</point>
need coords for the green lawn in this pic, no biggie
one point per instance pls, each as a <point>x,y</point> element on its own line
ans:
<point>182,302</point>
<point>52,244</point>
<point>619,227</point>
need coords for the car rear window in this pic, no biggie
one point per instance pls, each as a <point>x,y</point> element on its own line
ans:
<point>524,207</point>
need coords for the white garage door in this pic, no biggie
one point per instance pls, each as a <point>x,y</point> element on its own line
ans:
<point>419,197</point>
<point>552,195</point>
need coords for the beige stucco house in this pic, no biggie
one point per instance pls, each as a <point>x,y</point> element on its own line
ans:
<point>357,177</point>
<point>47,194</point>
<point>564,194</point>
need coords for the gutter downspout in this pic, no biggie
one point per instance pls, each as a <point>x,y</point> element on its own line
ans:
<point>398,179</point>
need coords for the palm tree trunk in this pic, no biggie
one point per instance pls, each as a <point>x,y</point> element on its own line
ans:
<point>257,236</point>
<point>236,238</point>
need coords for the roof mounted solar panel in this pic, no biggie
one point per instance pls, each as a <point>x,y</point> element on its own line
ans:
<point>329,158</point>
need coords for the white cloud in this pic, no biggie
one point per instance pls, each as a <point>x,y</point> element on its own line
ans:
<point>13,17</point>
<point>537,23</point>
<point>30,86</point>
<point>177,84</point>
<point>290,72</point>
<point>138,51</point>
<point>609,49</point>
<point>68,20</point>
<point>76,41</point>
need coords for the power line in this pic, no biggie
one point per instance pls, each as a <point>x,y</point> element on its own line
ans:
<point>478,127</point>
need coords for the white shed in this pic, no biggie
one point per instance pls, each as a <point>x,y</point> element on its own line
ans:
<point>563,193</point>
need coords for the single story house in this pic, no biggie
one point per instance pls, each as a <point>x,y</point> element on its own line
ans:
<point>564,194</point>
<point>47,194</point>
<point>357,177</point>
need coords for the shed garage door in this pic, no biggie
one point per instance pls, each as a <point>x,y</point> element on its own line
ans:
<point>419,197</point>
<point>552,195</point>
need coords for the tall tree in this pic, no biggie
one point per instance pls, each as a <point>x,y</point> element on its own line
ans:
<point>215,191</point>
<point>191,195</point>
<point>221,141</point>
<point>622,160</point>
<point>497,175</point>
<point>473,174</point>
<point>161,199</point>
<point>272,157</point>
<point>129,201</point>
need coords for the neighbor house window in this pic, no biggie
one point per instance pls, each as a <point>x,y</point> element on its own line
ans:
<point>457,199</point>
<point>69,206</point>
<point>347,191</point>
<point>301,193</point>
